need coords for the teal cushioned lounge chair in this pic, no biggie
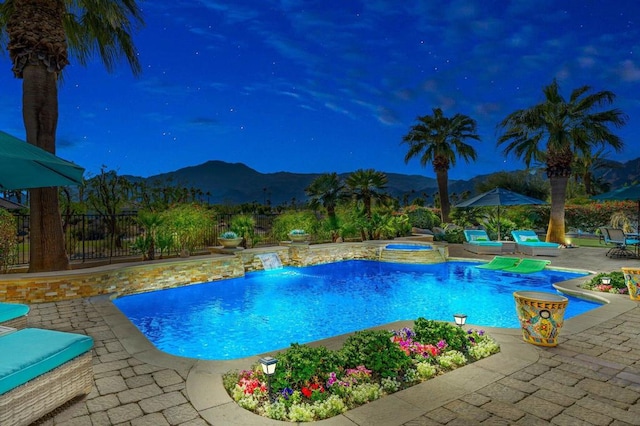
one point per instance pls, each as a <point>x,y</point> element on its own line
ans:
<point>527,242</point>
<point>478,242</point>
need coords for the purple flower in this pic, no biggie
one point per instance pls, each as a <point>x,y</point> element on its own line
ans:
<point>287,392</point>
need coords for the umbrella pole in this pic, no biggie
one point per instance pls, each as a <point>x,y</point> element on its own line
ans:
<point>499,239</point>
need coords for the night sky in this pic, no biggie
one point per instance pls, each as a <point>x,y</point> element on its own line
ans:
<point>323,86</point>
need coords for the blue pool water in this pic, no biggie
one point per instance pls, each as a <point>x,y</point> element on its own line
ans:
<point>269,310</point>
<point>407,247</point>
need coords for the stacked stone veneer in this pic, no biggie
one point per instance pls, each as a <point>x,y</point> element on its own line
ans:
<point>159,274</point>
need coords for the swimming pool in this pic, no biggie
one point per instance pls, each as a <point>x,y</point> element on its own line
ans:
<point>269,310</point>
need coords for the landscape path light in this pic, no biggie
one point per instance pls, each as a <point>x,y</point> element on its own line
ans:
<point>268,364</point>
<point>460,319</point>
<point>605,280</point>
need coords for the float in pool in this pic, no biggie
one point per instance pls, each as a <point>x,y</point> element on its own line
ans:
<point>268,310</point>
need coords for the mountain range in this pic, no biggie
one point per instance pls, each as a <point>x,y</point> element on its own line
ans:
<point>237,183</point>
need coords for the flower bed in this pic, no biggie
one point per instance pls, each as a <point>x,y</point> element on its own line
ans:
<point>616,285</point>
<point>317,383</point>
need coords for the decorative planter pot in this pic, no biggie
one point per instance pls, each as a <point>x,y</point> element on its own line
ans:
<point>541,316</point>
<point>298,238</point>
<point>632,280</point>
<point>230,242</point>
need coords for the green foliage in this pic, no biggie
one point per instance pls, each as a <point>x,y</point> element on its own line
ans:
<point>300,364</point>
<point>375,349</point>
<point>454,235</point>
<point>591,216</point>
<point>421,217</point>
<point>284,223</point>
<point>187,224</point>
<point>431,332</point>
<point>244,226</point>
<point>8,240</point>
<point>617,281</point>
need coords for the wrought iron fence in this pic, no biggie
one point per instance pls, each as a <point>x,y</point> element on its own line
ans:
<point>97,237</point>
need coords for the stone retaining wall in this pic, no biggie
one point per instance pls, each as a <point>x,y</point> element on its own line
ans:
<point>122,279</point>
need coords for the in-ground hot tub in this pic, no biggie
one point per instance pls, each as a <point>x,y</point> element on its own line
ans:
<point>408,247</point>
<point>410,253</point>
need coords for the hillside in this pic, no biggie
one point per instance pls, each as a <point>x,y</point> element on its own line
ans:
<point>236,183</point>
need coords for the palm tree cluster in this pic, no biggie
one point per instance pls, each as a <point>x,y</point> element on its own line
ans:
<point>557,133</point>
<point>364,187</point>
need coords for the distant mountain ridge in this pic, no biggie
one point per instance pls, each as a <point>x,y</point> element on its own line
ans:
<point>237,183</point>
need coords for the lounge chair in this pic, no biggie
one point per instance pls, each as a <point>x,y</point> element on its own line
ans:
<point>40,370</point>
<point>478,242</point>
<point>528,266</point>
<point>13,315</point>
<point>619,238</point>
<point>500,262</point>
<point>527,242</point>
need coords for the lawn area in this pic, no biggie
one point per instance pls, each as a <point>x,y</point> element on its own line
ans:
<point>587,242</point>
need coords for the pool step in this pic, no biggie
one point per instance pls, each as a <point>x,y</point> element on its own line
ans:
<point>411,256</point>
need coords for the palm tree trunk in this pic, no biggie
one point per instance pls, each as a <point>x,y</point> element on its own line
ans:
<point>443,189</point>
<point>40,114</point>
<point>556,230</point>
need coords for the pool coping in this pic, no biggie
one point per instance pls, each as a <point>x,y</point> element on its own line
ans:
<point>204,381</point>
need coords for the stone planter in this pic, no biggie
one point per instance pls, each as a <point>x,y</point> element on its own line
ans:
<point>230,242</point>
<point>541,316</point>
<point>632,280</point>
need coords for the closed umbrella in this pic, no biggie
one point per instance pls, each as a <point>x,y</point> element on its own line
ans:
<point>26,166</point>
<point>499,197</point>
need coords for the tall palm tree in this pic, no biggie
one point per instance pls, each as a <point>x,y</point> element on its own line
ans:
<point>554,131</point>
<point>439,140</point>
<point>41,33</point>
<point>326,190</point>
<point>367,186</point>
<point>586,165</point>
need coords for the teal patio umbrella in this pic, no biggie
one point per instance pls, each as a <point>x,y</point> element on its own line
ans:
<point>25,166</point>
<point>499,197</point>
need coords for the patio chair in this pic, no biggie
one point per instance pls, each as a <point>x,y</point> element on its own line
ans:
<point>621,242</point>
<point>478,242</point>
<point>527,242</point>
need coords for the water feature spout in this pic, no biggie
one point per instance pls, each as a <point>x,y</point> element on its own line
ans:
<point>270,261</point>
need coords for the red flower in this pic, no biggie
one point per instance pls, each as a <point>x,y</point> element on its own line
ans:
<point>306,392</point>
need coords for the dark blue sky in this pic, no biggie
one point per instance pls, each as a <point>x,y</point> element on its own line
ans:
<point>333,85</point>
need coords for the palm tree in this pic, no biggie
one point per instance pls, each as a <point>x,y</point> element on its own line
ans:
<point>367,186</point>
<point>439,140</point>
<point>586,164</point>
<point>40,35</point>
<point>326,190</point>
<point>554,131</point>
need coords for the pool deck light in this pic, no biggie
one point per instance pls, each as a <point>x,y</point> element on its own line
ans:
<point>605,280</point>
<point>460,319</point>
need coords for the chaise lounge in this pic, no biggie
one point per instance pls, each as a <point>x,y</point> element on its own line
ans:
<point>478,242</point>
<point>41,370</point>
<point>527,242</point>
<point>13,315</point>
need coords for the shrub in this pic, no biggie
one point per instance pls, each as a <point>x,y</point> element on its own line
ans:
<point>616,286</point>
<point>375,349</point>
<point>8,240</point>
<point>432,332</point>
<point>421,217</point>
<point>287,221</point>
<point>300,364</point>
